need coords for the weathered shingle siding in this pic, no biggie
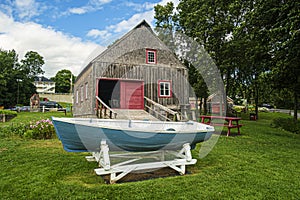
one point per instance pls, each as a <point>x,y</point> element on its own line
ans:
<point>130,45</point>
<point>150,75</point>
<point>126,59</point>
<point>84,106</point>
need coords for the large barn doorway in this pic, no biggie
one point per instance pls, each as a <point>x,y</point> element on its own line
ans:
<point>121,93</point>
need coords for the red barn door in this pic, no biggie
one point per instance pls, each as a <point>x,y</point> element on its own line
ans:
<point>132,94</point>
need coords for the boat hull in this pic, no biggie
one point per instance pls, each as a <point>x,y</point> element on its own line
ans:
<point>77,136</point>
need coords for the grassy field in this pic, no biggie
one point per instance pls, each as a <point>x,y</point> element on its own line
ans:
<point>262,163</point>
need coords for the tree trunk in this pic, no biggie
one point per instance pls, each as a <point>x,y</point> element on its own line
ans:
<point>197,113</point>
<point>228,86</point>
<point>256,98</point>
<point>295,105</point>
<point>200,105</point>
<point>205,106</point>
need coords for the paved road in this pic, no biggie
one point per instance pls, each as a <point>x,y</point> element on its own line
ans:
<point>290,112</point>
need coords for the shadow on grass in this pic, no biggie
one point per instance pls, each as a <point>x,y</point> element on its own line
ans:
<point>146,175</point>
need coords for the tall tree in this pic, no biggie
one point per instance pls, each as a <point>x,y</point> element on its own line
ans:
<point>169,32</point>
<point>199,86</point>
<point>211,23</point>
<point>8,63</point>
<point>285,35</point>
<point>16,78</point>
<point>250,41</point>
<point>31,65</point>
<point>64,80</point>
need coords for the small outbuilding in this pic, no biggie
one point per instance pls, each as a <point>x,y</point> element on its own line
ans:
<point>136,68</point>
<point>215,103</point>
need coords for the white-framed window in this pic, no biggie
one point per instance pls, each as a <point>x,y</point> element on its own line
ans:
<point>81,93</point>
<point>77,96</point>
<point>151,56</point>
<point>86,90</point>
<point>164,88</point>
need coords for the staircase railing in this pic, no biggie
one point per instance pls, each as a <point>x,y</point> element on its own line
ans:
<point>159,111</point>
<point>104,111</point>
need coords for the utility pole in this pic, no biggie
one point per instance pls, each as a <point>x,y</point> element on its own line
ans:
<point>18,92</point>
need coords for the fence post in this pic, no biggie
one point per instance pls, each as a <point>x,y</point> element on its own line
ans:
<point>3,117</point>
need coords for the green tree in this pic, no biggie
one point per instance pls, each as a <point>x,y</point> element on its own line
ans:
<point>31,65</point>
<point>63,81</point>
<point>285,37</point>
<point>199,87</point>
<point>8,63</point>
<point>255,44</point>
<point>16,78</point>
<point>169,32</point>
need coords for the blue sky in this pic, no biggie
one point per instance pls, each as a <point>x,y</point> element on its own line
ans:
<point>69,33</point>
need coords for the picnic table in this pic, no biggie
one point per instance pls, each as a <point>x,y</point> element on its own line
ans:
<point>230,122</point>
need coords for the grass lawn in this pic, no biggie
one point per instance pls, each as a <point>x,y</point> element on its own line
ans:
<point>262,163</point>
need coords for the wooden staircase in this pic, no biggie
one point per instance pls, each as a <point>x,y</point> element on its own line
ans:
<point>105,112</point>
<point>160,112</point>
<point>134,114</point>
<point>153,111</point>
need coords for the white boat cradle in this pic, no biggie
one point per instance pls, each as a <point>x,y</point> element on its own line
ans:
<point>121,169</point>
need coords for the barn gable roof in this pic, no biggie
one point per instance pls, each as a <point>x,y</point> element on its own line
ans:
<point>136,44</point>
<point>132,40</point>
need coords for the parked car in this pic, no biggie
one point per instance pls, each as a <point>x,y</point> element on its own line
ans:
<point>49,105</point>
<point>24,108</point>
<point>20,108</point>
<point>266,105</point>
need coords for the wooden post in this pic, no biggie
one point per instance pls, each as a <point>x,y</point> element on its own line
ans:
<point>100,110</point>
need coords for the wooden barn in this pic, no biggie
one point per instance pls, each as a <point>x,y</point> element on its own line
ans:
<point>136,72</point>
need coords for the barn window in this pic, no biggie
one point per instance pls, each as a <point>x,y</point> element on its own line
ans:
<point>164,89</point>
<point>150,56</point>
<point>86,90</point>
<point>81,93</point>
<point>77,96</point>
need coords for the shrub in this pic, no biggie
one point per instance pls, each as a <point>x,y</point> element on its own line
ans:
<point>13,129</point>
<point>287,124</point>
<point>42,129</point>
<point>8,112</point>
<point>8,115</point>
<point>239,108</point>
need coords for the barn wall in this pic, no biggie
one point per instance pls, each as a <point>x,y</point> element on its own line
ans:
<point>84,106</point>
<point>126,58</point>
<point>150,74</point>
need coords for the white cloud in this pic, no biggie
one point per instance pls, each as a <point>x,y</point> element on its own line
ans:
<point>92,5</point>
<point>78,11</point>
<point>27,9</point>
<point>60,51</point>
<point>97,33</point>
<point>99,2</point>
<point>140,7</point>
<point>126,25</point>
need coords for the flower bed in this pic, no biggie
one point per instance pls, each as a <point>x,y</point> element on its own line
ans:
<point>42,129</point>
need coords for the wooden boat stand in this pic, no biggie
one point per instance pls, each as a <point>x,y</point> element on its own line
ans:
<point>121,169</point>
